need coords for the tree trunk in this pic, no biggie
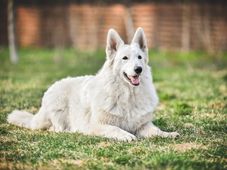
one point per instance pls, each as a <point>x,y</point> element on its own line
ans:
<point>11,33</point>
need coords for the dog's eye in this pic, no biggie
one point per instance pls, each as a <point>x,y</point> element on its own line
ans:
<point>125,58</point>
<point>139,57</point>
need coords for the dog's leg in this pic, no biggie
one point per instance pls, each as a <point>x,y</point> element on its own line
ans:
<point>150,130</point>
<point>110,131</point>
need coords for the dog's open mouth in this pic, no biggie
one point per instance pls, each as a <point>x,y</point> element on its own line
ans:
<point>134,80</point>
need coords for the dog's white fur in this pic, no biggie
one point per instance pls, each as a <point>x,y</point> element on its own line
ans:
<point>107,104</point>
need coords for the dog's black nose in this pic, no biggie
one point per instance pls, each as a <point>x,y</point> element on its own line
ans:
<point>138,69</point>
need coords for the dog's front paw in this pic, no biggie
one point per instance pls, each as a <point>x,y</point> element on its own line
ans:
<point>126,137</point>
<point>173,134</point>
<point>121,135</point>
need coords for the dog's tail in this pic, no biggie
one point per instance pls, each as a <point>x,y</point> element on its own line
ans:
<point>28,120</point>
<point>20,118</point>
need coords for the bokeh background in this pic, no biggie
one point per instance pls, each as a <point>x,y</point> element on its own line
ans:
<point>83,24</point>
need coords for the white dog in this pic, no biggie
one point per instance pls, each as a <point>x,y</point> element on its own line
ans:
<point>115,103</point>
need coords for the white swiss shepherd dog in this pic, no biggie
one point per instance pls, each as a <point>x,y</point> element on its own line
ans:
<point>115,103</point>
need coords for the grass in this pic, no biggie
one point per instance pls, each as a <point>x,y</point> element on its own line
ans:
<point>193,96</point>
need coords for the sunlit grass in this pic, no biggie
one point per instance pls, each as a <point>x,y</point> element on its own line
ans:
<point>193,96</point>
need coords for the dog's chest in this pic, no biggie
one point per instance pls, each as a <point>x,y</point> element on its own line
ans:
<point>128,123</point>
<point>129,113</point>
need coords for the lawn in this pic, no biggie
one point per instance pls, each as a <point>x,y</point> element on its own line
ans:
<point>193,101</point>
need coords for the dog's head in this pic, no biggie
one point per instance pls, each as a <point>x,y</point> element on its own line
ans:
<point>128,60</point>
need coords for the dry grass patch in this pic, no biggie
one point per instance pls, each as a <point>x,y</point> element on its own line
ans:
<point>184,147</point>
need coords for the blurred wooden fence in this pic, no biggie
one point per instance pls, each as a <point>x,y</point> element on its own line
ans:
<point>178,26</point>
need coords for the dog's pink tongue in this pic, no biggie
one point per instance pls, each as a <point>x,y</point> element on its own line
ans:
<point>135,80</point>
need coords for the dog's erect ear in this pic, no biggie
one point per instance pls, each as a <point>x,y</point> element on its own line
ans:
<point>140,39</point>
<point>114,41</point>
